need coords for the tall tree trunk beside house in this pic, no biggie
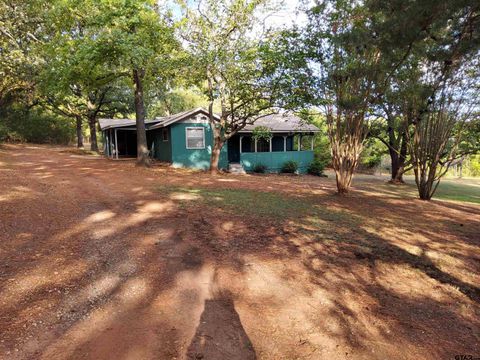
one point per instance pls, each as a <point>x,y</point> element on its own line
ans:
<point>92,125</point>
<point>218,129</point>
<point>142,148</point>
<point>78,120</point>
<point>216,150</point>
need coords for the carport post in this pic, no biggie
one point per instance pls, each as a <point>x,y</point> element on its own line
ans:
<point>116,144</point>
<point>107,150</point>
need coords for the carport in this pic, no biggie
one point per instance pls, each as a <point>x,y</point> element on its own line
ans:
<point>120,137</point>
<point>120,142</point>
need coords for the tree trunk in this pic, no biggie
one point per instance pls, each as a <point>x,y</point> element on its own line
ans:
<point>424,190</point>
<point>79,132</point>
<point>344,175</point>
<point>215,158</point>
<point>92,122</point>
<point>398,167</point>
<point>398,156</point>
<point>344,161</point>
<point>142,148</point>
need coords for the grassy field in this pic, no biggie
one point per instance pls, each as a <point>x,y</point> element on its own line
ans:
<point>452,189</point>
<point>460,190</point>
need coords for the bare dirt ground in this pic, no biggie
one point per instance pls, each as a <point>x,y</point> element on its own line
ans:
<point>103,260</point>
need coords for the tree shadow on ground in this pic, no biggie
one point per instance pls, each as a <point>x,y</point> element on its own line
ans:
<point>138,277</point>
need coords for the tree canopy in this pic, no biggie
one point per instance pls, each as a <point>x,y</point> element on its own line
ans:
<point>371,69</point>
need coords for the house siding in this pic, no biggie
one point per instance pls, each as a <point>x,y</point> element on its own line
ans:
<point>193,158</point>
<point>275,160</point>
<point>163,149</point>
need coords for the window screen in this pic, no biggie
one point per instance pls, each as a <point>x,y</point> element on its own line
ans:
<point>195,138</point>
<point>263,145</point>
<point>165,134</point>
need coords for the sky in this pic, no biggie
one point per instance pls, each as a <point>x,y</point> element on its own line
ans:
<point>287,14</point>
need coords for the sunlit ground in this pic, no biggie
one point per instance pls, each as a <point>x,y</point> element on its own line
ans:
<point>103,260</point>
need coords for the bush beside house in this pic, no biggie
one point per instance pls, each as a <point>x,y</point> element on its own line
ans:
<point>289,167</point>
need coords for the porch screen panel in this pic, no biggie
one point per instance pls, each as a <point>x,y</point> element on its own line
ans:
<point>277,143</point>
<point>248,145</point>
<point>263,145</point>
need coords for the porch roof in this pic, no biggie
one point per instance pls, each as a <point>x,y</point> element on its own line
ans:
<point>281,123</point>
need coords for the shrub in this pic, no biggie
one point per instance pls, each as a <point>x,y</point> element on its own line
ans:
<point>290,167</point>
<point>316,167</point>
<point>260,168</point>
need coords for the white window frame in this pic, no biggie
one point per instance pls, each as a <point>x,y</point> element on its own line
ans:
<point>164,131</point>
<point>186,137</point>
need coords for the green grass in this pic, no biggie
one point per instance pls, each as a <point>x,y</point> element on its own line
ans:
<point>463,190</point>
<point>256,203</point>
<point>467,190</point>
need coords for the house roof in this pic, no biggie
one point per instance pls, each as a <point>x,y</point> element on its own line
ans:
<point>282,123</point>
<point>276,122</point>
<point>167,120</point>
<point>156,123</point>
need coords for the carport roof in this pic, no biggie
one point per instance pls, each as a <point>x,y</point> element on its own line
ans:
<point>106,124</point>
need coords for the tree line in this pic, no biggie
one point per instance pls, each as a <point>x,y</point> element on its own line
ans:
<point>403,72</point>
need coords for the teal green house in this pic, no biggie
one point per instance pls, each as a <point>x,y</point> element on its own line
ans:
<point>186,140</point>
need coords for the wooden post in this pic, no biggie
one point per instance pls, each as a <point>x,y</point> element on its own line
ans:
<point>270,142</point>
<point>109,144</point>
<point>255,145</point>
<point>284,143</point>
<point>313,137</point>
<point>107,150</point>
<point>241,139</point>
<point>116,144</point>
<point>299,142</point>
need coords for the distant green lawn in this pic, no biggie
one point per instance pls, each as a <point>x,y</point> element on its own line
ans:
<point>459,190</point>
<point>465,190</point>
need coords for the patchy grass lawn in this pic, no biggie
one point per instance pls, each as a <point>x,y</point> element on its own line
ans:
<point>467,190</point>
<point>461,190</point>
<point>271,206</point>
<point>101,259</point>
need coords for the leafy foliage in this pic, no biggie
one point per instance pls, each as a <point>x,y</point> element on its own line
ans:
<point>21,124</point>
<point>232,64</point>
<point>316,167</point>
<point>262,132</point>
<point>289,167</point>
<point>260,168</point>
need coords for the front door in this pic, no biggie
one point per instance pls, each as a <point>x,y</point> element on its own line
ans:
<point>233,146</point>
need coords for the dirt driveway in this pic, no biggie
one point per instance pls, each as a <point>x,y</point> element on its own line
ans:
<point>102,260</point>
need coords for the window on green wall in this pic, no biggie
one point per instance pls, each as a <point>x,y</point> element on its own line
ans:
<point>165,134</point>
<point>195,137</point>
